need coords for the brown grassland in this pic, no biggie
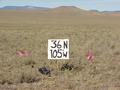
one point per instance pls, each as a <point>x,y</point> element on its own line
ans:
<point>31,29</point>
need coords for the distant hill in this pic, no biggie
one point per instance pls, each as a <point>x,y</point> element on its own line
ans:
<point>24,7</point>
<point>67,9</point>
<point>61,9</point>
<point>110,11</point>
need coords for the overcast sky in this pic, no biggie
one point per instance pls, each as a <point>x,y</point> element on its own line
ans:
<point>102,5</point>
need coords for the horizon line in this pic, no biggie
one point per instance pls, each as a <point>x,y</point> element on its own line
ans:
<point>54,7</point>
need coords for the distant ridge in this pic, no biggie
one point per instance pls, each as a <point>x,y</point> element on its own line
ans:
<point>71,8</point>
<point>111,11</point>
<point>68,9</point>
<point>62,9</point>
<point>24,7</point>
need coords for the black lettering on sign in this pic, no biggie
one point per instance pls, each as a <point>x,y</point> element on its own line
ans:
<point>65,44</point>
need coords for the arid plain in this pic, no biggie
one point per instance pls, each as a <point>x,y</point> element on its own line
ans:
<point>30,29</point>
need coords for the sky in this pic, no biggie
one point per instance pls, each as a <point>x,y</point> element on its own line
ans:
<point>101,5</point>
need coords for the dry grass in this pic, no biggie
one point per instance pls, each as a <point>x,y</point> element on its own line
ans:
<point>19,31</point>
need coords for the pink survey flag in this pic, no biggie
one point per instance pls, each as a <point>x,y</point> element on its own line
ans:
<point>23,53</point>
<point>90,56</point>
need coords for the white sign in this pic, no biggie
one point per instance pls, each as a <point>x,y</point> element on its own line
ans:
<point>58,49</point>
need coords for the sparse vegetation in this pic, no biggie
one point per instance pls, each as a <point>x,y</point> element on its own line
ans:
<point>30,30</point>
